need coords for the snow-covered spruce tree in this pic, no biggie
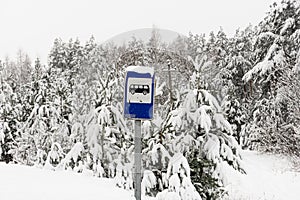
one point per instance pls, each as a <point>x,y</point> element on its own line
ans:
<point>29,129</point>
<point>205,138</point>
<point>89,112</point>
<point>235,104</point>
<point>44,124</point>
<point>214,56</point>
<point>106,130</point>
<point>194,129</point>
<point>167,169</point>
<point>49,123</point>
<point>154,45</point>
<point>179,46</point>
<point>24,64</point>
<point>18,112</point>
<point>72,75</point>
<point>178,179</point>
<point>134,54</point>
<point>275,114</point>
<point>9,112</point>
<point>18,106</point>
<point>157,134</point>
<point>195,44</point>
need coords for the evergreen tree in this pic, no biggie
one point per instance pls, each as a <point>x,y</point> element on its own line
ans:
<point>236,101</point>
<point>275,58</point>
<point>24,64</point>
<point>8,116</point>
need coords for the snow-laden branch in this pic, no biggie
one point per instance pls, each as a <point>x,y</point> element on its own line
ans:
<point>289,23</point>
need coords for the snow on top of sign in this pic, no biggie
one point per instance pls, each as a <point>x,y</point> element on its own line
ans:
<point>141,69</point>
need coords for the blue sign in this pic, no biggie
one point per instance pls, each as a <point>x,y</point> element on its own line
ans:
<point>139,92</point>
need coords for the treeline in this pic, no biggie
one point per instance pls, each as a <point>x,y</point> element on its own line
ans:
<point>215,95</point>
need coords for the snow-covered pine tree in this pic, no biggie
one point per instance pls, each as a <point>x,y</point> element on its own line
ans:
<point>107,133</point>
<point>154,46</point>
<point>215,50</point>
<point>8,116</point>
<point>196,128</point>
<point>207,137</point>
<point>235,104</point>
<point>156,137</point>
<point>195,44</point>
<point>179,181</point>
<point>25,69</point>
<point>276,51</point>
<point>44,124</point>
<point>134,54</point>
<point>49,123</point>
<point>18,105</point>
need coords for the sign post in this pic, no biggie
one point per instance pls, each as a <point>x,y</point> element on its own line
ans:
<point>137,159</point>
<point>138,105</point>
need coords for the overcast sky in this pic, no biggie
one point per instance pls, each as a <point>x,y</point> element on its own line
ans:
<point>32,25</point>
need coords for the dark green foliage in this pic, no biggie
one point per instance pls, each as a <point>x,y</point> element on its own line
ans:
<point>201,175</point>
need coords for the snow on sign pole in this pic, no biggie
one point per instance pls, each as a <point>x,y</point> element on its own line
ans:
<point>138,105</point>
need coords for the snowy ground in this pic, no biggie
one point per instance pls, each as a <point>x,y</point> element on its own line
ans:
<point>21,182</point>
<point>268,177</point>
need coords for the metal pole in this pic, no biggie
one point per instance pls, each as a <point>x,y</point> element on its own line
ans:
<point>137,159</point>
<point>170,84</point>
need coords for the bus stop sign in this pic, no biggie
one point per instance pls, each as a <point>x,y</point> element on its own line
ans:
<point>139,92</point>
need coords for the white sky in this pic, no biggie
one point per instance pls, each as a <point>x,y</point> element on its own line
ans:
<point>32,25</point>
